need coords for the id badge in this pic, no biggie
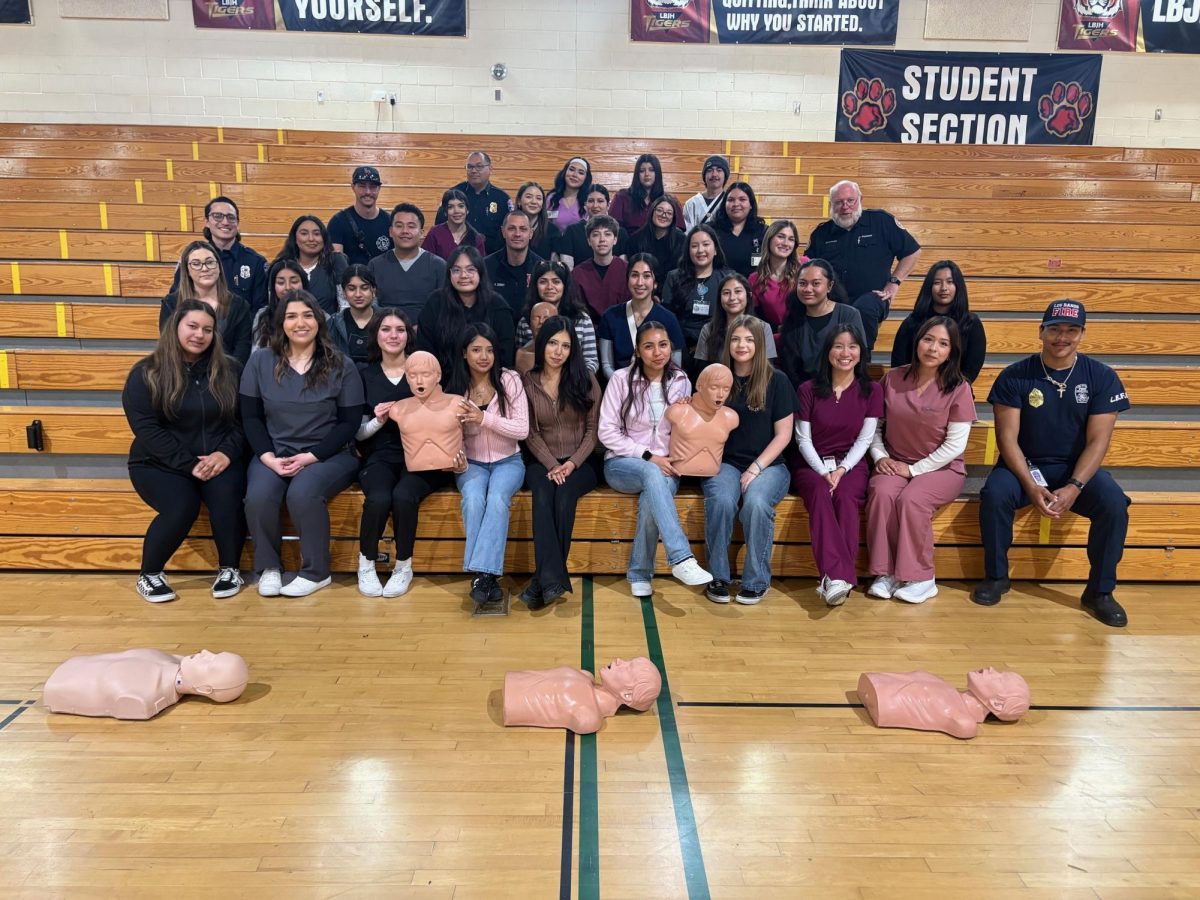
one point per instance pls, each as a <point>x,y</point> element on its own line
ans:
<point>829,462</point>
<point>701,308</point>
<point>755,260</point>
<point>1038,478</point>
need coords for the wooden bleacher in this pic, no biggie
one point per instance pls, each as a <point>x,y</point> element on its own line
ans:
<point>94,218</point>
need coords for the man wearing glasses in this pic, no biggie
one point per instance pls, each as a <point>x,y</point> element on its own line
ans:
<point>861,245</point>
<point>245,269</point>
<point>487,205</point>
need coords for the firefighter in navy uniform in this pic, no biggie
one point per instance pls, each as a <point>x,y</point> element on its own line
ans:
<point>487,205</point>
<point>1055,412</point>
<point>245,269</point>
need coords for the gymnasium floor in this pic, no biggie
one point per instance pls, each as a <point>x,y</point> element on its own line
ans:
<point>366,758</point>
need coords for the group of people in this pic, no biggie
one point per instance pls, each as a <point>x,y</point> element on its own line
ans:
<point>538,361</point>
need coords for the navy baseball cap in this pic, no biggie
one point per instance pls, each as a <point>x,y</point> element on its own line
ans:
<point>1065,312</point>
<point>367,174</point>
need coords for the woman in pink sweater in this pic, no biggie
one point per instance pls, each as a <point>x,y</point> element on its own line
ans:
<point>495,416</point>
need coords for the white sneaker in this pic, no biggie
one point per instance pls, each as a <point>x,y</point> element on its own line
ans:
<point>823,586</point>
<point>269,583</point>
<point>641,588</point>
<point>883,587</point>
<point>302,587</point>
<point>401,579</point>
<point>691,573</point>
<point>917,591</point>
<point>836,592</point>
<point>368,578</point>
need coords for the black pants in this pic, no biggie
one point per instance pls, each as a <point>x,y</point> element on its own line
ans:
<point>554,521</point>
<point>391,488</point>
<point>873,311</point>
<point>176,498</point>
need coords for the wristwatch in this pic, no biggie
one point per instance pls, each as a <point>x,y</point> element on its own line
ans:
<point>892,279</point>
<point>1076,482</point>
<point>646,454</point>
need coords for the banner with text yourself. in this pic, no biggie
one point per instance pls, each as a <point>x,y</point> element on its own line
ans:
<point>405,17</point>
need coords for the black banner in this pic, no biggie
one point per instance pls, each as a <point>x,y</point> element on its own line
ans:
<point>1170,26</point>
<point>765,21</point>
<point>15,12</point>
<point>440,18</point>
<point>967,98</point>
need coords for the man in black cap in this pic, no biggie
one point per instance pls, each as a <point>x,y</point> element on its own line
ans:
<point>1055,412</point>
<point>487,205</point>
<point>861,245</point>
<point>704,205</point>
<point>361,231</point>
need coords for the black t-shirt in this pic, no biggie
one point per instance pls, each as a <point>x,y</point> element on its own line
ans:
<point>743,251</point>
<point>757,429</point>
<point>1054,428</point>
<point>509,281</point>
<point>862,255</point>
<point>384,445</point>
<point>356,338</point>
<point>361,239</point>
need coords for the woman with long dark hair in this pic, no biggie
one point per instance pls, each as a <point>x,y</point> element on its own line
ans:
<point>544,234</point>
<point>918,451</point>
<point>820,305</point>
<point>571,186</point>
<point>691,289</point>
<point>495,416</point>
<point>733,300</point>
<point>637,434</point>
<point>466,298</point>
<point>618,326</point>
<point>660,238</point>
<point>740,229</point>
<point>308,243</point>
<point>631,206</point>
<point>564,407</point>
<point>202,278</point>
<point>774,281</point>
<point>943,293</point>
<point>284,277</point>
<point>446,237</point>
<point>838,411</point>
<point>181,404</point>
<point>551,282</point>
<point>302,402</point>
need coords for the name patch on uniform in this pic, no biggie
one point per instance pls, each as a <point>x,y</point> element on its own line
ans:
<point>1035,398</point>
<point>1118,397</point>
<point>1081,393</point>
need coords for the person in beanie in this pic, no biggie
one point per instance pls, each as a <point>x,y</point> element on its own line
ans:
<point>703,206</point>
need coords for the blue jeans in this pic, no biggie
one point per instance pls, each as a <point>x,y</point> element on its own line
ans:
<point>487,490</point>
<point>722,493</point>
<point>656,513</point>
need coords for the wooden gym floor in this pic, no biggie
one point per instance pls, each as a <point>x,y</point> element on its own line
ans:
<point>367,758</point>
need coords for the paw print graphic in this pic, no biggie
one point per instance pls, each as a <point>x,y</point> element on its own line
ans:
<point>868,106</point>
<point>1065,108</point>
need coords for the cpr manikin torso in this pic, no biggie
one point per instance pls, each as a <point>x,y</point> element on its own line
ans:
<point>569,698</point>
<point>538,314</point>
<point>700,428</point>
<point>923,701</point>
<point>428,421</point>
<point>139,684</point>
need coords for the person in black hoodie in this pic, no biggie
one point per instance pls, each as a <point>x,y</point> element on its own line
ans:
<point>203,279</point>
<point>181,403</point>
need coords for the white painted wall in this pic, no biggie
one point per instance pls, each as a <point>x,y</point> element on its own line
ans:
<point>573,70</point>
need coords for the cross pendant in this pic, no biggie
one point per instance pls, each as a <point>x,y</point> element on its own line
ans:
<point>1062,389</point>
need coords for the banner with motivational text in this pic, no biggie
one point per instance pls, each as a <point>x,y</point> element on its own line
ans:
<point>425,18</point>
<point>1148,26</point>
<point>967,98</point>
<point>764,21</point>
<point>15,12</point>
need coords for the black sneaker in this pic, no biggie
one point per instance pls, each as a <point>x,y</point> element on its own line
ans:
<point>154,588</point>
<point>550,594</point>
<point>532,596</point>
<point>989,591</point>
<point>748,597</point>
<point>480,589</point>
<point>1105,608</point>
<point>717,591</point>
<point>228,584</point>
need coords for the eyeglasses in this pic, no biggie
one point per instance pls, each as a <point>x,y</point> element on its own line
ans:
<point>223,217</point>
<point>464,270</point>
<point>477,167</point>
<point>202,265</point>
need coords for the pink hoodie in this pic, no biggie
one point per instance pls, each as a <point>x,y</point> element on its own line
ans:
<point>640,436</point>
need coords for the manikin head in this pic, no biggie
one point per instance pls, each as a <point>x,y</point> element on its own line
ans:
<point>539,314</point>
<point>635,682</point>
<point>712,389</point>
<point>1005,694</point>
<point>424,374</point>
<point>220,677</point>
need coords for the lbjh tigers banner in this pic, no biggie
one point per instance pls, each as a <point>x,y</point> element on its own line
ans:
<point>967,98</point>
<point>1149,26</point>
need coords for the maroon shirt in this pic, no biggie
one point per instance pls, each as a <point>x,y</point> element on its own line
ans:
<point>440,242</point>
<point>604,293</point>
<point>836,423</point>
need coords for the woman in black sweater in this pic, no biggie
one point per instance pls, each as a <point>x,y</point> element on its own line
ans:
<point>181,403</point>
<point>943,293</point>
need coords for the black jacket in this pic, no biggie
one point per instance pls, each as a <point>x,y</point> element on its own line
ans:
<point>197,429</point>
<point>234,328</point>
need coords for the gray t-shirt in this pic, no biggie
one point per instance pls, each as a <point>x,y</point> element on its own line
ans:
<point>297,418</point>
<point>407,287</point>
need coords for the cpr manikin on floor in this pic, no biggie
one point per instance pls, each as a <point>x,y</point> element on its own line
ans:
<point>564,697</point>
<point>923,701</point>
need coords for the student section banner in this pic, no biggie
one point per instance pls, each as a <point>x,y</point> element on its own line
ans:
<point>764,21</point>
<point>441,18</point>
<point>967,98</point>
<point>15,12</point>
<point>1150,26</point>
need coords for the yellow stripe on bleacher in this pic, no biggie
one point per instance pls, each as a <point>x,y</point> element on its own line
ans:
<point>104,216</point>
<point>810,184</point>
<point>3,370</point>
<point>989,447</point>
<point>183,217</point>
<point>1044,531</point>
<point>195,151</point>
<point>16,277</point>
<point>785,148</point>
<point>825,207</point>
<point>63,250</point>
<point>797,165</point>
<point>262,153</point>
<point>212,190</point>
<point>137,189</point>
<point>170,171</point>
<point>279,136</point>
<point>237,171</point>
<point>220,135</point>
<point>60,319</point>
<point>150,246</point>
<point>737,164</point>
<point>728,147</point>
<point>108,279</point>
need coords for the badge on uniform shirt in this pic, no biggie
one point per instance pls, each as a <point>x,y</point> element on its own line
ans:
<point>1035,398</point>
<point>493,208</point>
<point>245,273</point>
<point>1081,393</point>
